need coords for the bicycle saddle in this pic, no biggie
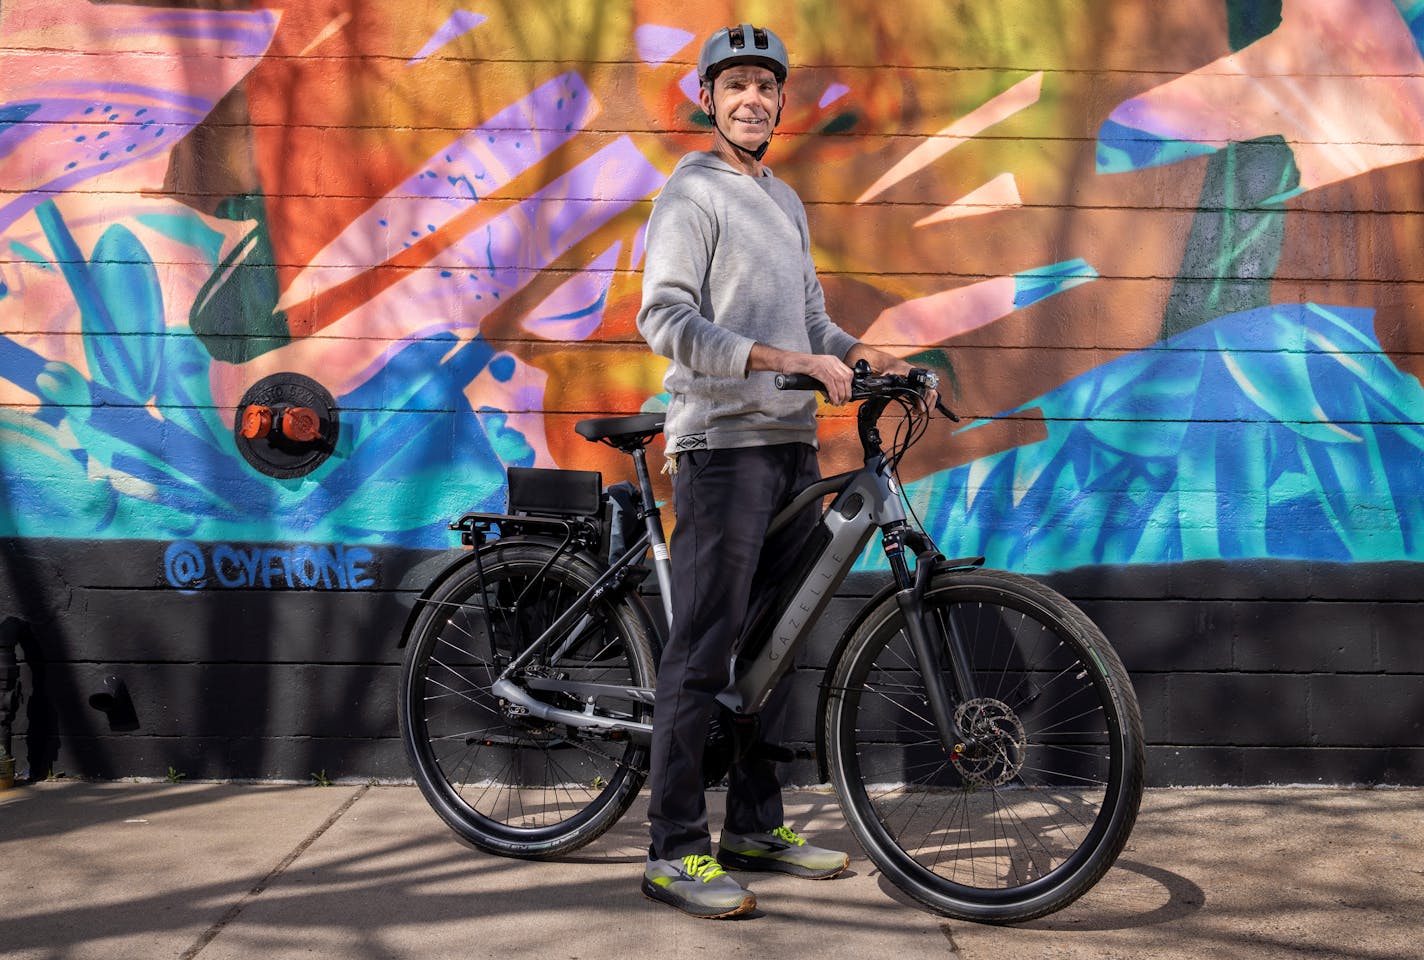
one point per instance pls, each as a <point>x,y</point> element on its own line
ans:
<point>625,433</point>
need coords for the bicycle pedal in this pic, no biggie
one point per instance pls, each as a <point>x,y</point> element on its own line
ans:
<point>775,752</point>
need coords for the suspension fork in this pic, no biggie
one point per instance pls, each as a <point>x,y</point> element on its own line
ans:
<point>910,597</point>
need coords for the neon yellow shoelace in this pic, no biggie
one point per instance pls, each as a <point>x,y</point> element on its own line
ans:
<point>789,835</point>
<point>702,867</point>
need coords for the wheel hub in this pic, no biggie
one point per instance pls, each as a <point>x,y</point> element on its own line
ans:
<point>520,718</point>
<point>994,747</point>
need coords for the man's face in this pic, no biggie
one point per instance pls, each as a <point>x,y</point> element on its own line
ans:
<point>746,100</point>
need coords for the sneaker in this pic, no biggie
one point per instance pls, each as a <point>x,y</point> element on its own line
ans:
<point>781,850</point>
<point>697,885</point>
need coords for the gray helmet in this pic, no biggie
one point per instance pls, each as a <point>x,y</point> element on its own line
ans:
<point>743,43</point>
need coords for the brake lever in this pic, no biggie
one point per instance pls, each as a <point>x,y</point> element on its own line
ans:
<point>865,387</point>
<point>925,378</point>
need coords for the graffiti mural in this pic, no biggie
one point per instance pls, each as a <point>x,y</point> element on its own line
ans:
<point>227,566</point>
<point>1163,260</point>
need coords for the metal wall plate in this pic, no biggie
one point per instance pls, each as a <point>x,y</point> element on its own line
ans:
<point>276,454</point>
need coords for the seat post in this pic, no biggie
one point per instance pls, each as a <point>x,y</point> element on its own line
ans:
<point>662,562</point>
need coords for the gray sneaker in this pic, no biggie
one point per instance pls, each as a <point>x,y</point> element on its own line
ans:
<point>697,885</point>
<point>780,850</point>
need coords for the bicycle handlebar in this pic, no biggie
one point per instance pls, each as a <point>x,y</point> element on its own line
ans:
<point>865,385</point>
<point>798,381</point>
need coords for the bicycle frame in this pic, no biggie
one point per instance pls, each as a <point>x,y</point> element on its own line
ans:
<point>865,499</point>
<point>981,700</point>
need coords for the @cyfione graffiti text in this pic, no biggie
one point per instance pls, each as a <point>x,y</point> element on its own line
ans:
<point>188,565</point>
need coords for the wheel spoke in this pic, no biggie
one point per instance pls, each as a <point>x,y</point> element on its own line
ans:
<point>1001,825</point>
<point>501,776</point>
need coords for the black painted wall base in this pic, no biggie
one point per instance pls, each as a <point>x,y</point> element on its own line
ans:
<point>1248,673</point>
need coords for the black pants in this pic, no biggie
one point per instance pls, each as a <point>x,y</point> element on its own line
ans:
<point>723,565</point>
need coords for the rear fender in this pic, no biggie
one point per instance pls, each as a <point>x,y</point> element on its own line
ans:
<point>488,553</point>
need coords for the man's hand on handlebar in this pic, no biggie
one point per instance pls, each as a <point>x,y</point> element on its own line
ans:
<point>882,362</point>
<point>930,393</point>
<point>834,375</point>
<point>832,372</point>
<point>838,380</point>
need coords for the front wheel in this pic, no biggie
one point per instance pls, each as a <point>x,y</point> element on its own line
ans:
<point>1034,802</point>
<point>499,776</point>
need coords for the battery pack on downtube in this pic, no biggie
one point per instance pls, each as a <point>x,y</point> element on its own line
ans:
<point>842,533</point>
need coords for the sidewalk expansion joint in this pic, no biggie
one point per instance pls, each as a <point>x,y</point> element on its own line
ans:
<point>236,909</point>
<point>945,929</point>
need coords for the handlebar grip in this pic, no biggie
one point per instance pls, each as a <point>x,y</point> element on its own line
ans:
<point>798,381</point>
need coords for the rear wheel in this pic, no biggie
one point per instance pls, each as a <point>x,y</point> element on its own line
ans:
<point>505,780</point>
<point>1034,804</point>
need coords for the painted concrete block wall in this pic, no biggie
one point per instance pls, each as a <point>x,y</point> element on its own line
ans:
<point>1165,255</point>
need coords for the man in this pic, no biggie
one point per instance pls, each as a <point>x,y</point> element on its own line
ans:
<point>731,297</point>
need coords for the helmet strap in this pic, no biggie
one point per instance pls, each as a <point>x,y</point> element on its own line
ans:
<point>760,151</point>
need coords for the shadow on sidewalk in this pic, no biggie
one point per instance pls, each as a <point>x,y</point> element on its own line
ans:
<point>1216,873</point>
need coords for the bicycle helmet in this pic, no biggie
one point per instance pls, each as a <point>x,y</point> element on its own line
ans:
<point>733,46</point>
<point>743,43</point>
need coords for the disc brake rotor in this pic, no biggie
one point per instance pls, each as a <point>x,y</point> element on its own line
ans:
<point>993,751</point>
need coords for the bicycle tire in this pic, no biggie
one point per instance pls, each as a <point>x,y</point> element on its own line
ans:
<point>507,783</point>
<point>1026,820</point>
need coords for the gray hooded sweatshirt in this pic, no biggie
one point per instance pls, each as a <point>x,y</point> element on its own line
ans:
<point>729,264</point>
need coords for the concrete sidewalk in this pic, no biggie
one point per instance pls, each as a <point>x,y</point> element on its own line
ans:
<point>151,870</point>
